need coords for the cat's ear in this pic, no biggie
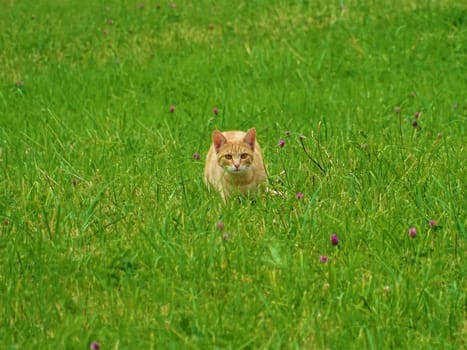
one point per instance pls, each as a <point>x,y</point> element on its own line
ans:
<point>250,138</point>
<point>218,140</point>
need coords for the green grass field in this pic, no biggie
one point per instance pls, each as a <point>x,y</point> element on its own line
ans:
<point>108,236</point>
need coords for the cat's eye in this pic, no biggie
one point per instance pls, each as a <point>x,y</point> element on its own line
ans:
<point>243,155</point>
<point>228,156</point>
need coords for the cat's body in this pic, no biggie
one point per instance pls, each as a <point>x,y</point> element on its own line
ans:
<point>235,163</point>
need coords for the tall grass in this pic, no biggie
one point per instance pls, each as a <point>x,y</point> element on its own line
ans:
<point>108,235</point>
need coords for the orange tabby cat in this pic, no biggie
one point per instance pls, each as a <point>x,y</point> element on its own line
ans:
<point>234,163</point>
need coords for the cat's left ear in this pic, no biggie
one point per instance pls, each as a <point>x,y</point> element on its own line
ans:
<point>250,138</point>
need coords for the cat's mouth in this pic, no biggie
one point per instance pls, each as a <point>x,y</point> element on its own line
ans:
<point>236,170</point>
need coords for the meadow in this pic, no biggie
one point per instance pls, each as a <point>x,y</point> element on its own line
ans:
<point>109,238</point>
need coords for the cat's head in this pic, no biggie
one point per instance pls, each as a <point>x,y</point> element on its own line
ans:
<point>235,154</point>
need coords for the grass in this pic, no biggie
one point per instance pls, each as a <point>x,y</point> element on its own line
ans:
<point>108,235</point>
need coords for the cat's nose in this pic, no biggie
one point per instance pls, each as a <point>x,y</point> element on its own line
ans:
<point>237,166</point>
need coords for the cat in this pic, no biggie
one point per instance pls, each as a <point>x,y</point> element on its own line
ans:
<point>234,163</point>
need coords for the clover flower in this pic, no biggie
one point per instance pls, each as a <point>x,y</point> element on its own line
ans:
<point>334,239</point>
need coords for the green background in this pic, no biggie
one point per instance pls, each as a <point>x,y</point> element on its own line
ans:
<point>108,234</point>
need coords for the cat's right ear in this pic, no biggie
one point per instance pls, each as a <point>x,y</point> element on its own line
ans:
<point>218,140</point>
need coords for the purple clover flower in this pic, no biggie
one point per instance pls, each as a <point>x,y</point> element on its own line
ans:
<point>225,236</point>
<point>220,225</point>
<point>6,222</point>
<point>413,232</point>
<point>432,223</point>
<point>196,156</point>
<point>299,195</point>
<point>94,346</point>
<point>334,239</point>
<point>215,110</point>
<point>172,109</point>
<point>323,258</point>
<point>415,124</point>
<point>281,143</point>
<point>417,115</point>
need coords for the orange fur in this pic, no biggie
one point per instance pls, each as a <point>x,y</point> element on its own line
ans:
<point>234,163</point>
